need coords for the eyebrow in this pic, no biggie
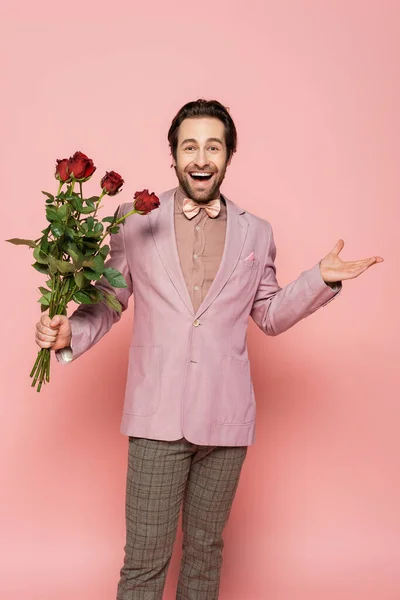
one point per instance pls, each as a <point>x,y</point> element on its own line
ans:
<point>193,141</point>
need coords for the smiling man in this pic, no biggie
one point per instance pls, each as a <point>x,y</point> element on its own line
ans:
<point>199,267</point>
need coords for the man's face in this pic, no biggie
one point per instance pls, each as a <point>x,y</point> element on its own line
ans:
<point>201,148</point>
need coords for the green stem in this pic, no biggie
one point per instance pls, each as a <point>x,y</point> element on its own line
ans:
<point>42,372</point>
<point>132,212</point>
<point>38,370</point>
<point>103,193</point>
<point>36,363</point>
<point>116,223</point>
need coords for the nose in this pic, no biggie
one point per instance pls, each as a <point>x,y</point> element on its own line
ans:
<point>201,158</point>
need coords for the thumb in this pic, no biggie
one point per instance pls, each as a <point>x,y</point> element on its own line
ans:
<point>338,247</point>
<point>55,322</point>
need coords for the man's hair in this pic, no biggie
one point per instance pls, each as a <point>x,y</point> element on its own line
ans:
<point>204,108</point>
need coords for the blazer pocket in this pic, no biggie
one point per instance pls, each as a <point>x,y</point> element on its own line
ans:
<point>234,402</point>
<point>248,264</point>
<point>142,396</point>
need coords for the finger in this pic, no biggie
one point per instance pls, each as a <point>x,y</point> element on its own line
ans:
<point>355,264</point>
<point>338,247</point>
<point>45,330</point>
<point>45,319</point>
<point>42,344</point>
<point>55,321</point>
<point>46,338</point>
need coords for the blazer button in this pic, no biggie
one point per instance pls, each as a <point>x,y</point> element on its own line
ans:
<point>196,323</point>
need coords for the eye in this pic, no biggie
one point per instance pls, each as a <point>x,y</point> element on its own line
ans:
<point>214,148</point>
<point>189,148</point>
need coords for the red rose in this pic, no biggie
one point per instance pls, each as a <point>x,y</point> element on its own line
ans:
<point>61,170</point>
<point>111,183</point>
<point>80,166</point>
<point>145,202</point>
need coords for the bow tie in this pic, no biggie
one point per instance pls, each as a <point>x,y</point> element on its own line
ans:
<point>191,207</point>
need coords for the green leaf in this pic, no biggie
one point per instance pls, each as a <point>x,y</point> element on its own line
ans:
<point>21,242</point>
<point>40,257</point>
<point>112,301</point>
<point>44,301</point>
<point>52,264</point>
<point>82,297</point>
<point>87,209</point>
<point>104,250</point>
<point>40,268</point>
<point>115,278</point>
<point>72,250</point>
<point>98,228</point>
<point>49,201</point>
<point>89,202</point>
<point>50,196</point>
<point>80,279</point>
<point>43,290</point>
<point>89,244</point>
<point>92,200</point>
<point>90,223</point>
<point>64,212</point>
<point>116,212</point>
<point>44,244</point>
<point>94,293</point>
<point>90,274</point>
<point>51,214</point>
<point>76,203</point>
<point>96,263</point>
<point>57,229</point>
<point>69,233</point>
<point>49,283</point>
<point>65,266</point>
<point>108,219</point>
<point>114,229</point>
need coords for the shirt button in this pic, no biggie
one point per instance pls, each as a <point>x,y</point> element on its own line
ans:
<point>197,226</point>
<point>196,287</point>
<point>195,256</point>
<point>196,323</point>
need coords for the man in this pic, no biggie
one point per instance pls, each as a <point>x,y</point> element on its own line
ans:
<point>198,267</point>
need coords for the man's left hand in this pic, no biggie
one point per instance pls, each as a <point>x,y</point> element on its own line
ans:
<point>334,269</point>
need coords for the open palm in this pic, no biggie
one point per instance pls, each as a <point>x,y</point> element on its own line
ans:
<point>333,268</point>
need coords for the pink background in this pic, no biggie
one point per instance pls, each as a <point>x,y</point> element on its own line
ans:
<point>313,87</point>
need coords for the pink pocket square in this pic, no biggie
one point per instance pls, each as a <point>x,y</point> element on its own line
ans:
<point>250,256</point>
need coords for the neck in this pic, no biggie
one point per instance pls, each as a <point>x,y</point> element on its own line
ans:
<point>183,194</point>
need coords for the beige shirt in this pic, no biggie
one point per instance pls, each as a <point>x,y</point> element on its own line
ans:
<point>200,243</point>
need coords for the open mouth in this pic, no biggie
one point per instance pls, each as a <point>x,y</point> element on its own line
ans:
<point>199,176</point>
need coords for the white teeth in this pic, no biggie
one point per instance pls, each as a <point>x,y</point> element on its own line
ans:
<point>201,174</point>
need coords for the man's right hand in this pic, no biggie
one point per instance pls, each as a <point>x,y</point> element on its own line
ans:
<point>53,333</point>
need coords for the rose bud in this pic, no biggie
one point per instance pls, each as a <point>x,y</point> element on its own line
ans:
<point>111,183</point>
<point>145,202</point>
<point>80,166</point>
<point>61,170</point>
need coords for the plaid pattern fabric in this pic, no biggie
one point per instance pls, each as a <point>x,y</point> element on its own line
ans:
<point>162,474</point>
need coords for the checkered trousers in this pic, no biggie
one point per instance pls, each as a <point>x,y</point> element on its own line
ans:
<point>162,474</point>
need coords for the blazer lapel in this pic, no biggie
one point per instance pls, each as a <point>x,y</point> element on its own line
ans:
<point>236,231</point>
<point>163,228</point>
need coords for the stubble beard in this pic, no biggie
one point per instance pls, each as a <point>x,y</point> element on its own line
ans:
<point>200,195</point>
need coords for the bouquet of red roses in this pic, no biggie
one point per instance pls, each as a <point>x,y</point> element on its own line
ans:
<point>70,251</point>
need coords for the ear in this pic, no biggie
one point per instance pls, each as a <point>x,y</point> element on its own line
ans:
<point>229,160</point>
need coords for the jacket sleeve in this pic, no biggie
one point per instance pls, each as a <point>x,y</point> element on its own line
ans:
<point>89,322</point>
<point>276,309</point>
